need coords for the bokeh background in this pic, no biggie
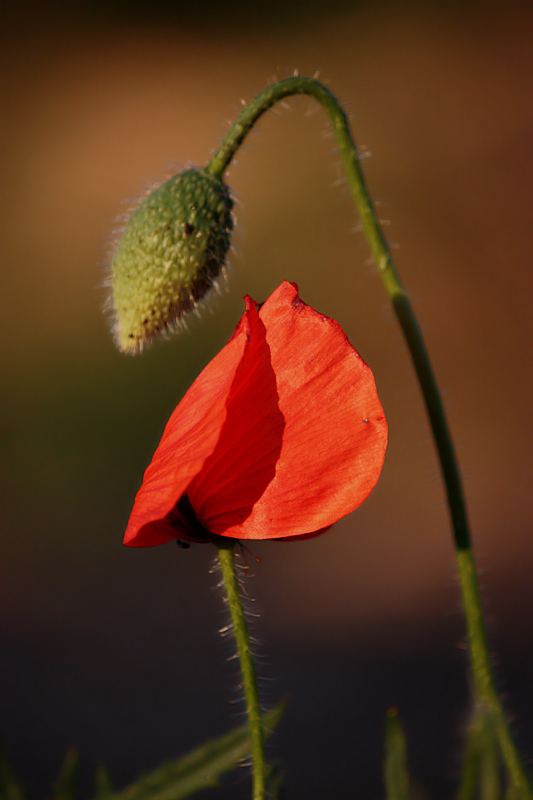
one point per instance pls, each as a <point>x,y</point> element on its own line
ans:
<point>116,651</point>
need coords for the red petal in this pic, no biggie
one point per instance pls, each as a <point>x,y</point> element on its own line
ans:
<point>281,435</point>
<point>188,440</point>
<point>243,463</point>
<point>267,479</point>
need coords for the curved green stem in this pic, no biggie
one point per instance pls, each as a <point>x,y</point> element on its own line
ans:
<point>478,650</point>
<point>382,256</point>
<point>249,680</point>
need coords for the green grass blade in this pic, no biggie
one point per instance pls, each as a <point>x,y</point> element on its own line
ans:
<point>200,769</point>
<point>471,764</point>
<point>10,788</point>
<point>67,785</point>
<point>482,765</point>
<point>395,768</point>
<point>103,783</point>
<point>491,766</point>
<point>274,782</point>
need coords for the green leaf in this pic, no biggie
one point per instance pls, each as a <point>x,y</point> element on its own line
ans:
<point>490,771</point>
<point>103,783</point>
<point>274,782</point>
<point>10,788</point>
<point>67,785</point>
<point>481,773</point>
<point>395,767</point>
<point>200,769</point>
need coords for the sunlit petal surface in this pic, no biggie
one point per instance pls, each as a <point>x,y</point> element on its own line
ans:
<point>281,435</point>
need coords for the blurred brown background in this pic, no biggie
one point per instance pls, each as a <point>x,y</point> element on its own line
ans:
<point>115,650</point>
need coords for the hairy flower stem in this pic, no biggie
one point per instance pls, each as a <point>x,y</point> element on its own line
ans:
<point>249,680</point>
<point>478,649</point>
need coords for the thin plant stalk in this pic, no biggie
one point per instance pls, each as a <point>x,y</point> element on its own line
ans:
<point>477,641</point>
<point>481,771</point>
<point>249,679</point>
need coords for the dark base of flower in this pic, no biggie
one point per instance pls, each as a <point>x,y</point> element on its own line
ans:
<point>184,521</point>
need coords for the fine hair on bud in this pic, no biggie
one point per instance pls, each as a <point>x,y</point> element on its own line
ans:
<point>171,251</point>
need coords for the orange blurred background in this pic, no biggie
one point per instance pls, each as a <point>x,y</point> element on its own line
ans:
<point>115,650</point>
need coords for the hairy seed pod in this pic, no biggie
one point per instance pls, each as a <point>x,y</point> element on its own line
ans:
<point>170,253</point>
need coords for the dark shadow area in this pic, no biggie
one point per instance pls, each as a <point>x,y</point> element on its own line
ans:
<point>170,698</point>
<point>216,16</point>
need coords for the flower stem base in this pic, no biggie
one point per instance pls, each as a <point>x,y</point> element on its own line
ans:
<point>249,679</point>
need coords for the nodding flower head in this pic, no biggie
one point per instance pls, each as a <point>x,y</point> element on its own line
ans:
<point>170,253</point>
<point>280,436</point>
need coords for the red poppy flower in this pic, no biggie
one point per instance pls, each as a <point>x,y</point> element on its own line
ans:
<point>281,435</point>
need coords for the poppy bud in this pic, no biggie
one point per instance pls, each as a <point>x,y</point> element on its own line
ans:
<point>170,253</point>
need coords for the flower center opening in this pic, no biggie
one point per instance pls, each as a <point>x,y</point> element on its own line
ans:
<point>184,521</point>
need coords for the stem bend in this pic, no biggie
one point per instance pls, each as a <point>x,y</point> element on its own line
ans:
<point>383,258</point>
<point>478,649</point>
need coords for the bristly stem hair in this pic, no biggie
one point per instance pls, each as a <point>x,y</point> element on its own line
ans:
<point>225,548</point>
<point>477,640</point>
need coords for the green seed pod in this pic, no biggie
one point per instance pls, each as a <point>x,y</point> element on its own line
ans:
<point>171,251</point>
